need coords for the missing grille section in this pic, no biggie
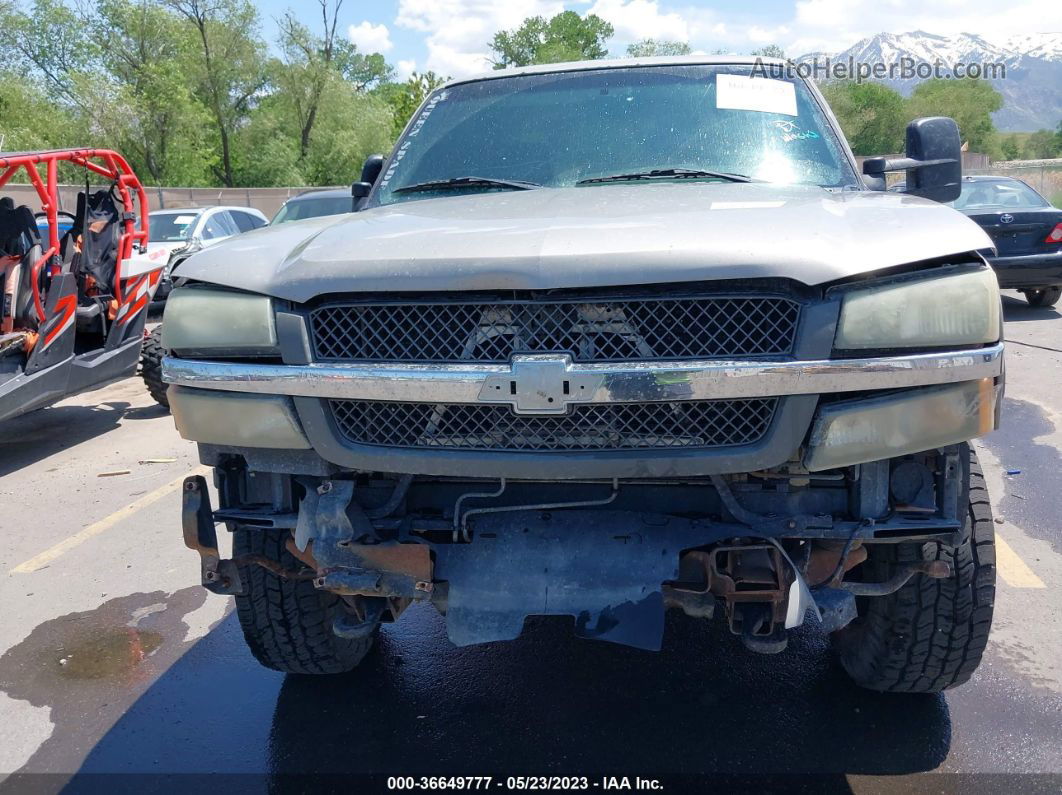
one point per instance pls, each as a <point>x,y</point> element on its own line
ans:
<point>620,426</point>
<point>589,330</point>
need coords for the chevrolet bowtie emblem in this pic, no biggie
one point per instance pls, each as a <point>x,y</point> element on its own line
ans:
<point>541,384</point>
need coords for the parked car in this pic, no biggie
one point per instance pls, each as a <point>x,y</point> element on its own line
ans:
<point>1026,230</point>
<point>313,204</point>
<point>177,234</point>
<point>65,221</point>
<point>607,338</point>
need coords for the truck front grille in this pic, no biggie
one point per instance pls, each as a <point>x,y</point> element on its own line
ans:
<point>695,424</point>
<point>591,329</point>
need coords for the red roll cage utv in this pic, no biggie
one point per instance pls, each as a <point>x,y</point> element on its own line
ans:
<point>74,305</point>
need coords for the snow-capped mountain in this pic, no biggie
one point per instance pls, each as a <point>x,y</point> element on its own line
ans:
<point>1031,89</point>
<point>1036,45</point>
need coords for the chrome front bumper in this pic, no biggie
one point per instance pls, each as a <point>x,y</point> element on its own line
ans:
<point>241,407</point>
<point>619,382</point>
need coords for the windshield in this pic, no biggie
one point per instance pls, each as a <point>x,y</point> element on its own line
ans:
<point>297,209</point>
<point>1008,193</point>
<point>170,227</point>
<point>560,128</point>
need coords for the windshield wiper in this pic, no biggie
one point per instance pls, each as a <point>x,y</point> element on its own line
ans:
<point>669,173</point>
<point>467,182</point>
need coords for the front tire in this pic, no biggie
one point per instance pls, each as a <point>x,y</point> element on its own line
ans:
<point>151,367</point>
<point>929,635</point>
<point>1043,296</point>
<point>286,623</point>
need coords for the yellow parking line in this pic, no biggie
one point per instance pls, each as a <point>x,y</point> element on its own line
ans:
<point>1013,569</point>
<point>94,529</point>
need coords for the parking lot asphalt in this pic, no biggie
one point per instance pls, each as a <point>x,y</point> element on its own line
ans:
<point>113,659</point>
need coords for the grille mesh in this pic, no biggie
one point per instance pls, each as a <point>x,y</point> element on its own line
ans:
<point>621,426</point>
<point>648,329</point>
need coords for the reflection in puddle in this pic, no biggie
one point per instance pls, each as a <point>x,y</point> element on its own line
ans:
<point>114,653</point>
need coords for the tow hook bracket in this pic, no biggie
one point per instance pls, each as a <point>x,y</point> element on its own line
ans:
<point>197,520</point>
<point>935,569</point>
<point>759,632</point>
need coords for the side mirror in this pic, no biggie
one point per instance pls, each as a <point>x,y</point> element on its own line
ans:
<point>370,172</point>
<point>933,163</point>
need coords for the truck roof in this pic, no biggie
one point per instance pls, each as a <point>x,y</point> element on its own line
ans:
<point>622,63</point>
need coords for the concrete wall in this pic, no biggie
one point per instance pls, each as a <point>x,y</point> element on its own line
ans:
<point>1043,175</point>
<point>268,200</point>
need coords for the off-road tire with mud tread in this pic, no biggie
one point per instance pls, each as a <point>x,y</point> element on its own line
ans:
<point>930,634</point>
<point>151,366</point>
<point>288,623</point>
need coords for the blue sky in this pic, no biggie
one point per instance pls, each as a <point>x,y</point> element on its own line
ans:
<point>450,36</point>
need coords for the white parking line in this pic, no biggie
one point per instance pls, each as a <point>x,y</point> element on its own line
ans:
<point>94,529</point>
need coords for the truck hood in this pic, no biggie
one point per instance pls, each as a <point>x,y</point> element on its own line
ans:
<point>601,235</point>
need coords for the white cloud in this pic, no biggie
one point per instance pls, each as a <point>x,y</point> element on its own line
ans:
<point>838,24</point>
<point>457,32</point>
<point>368,37</point>
<point>707,31</point>
<point>760,35</point>
<point>403,69</point>
<point>834,25</point>
<point>635,20</point>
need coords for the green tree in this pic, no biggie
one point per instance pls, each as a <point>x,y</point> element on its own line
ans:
<point>148,109</point>
<point>872,115</point>
<point>364,71</point>
<point>229,67</point>
<point>350,125</point>
<point>770,51</point>
<point>29,121</point>
<point>266,148</point>
<point>1010,148</point>
<point>1058,139</point>
<point>565,37</point>
<point>970,102</point>
<point>647,48</point>
<point>404,98</point>
<point>1041,145</point>
<point>51,41</point>
<point>313,61</point>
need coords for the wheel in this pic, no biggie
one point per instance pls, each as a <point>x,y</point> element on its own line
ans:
<point>151,354</point>
<point>286,623</point>
<point>1043,296</point>
<point>930,634</point>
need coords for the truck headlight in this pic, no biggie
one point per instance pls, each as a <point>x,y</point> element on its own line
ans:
<point>201,321</point>
<point>945,309</point>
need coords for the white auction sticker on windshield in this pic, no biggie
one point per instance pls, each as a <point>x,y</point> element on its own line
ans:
<point>738,92</point>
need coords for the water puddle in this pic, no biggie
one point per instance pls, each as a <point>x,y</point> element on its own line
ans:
<point>86,668</point>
